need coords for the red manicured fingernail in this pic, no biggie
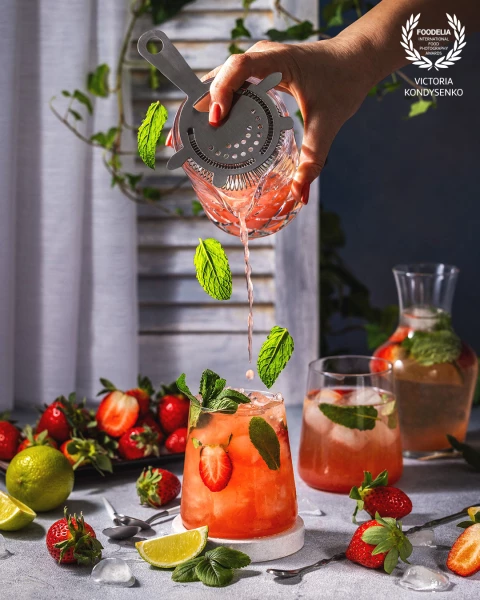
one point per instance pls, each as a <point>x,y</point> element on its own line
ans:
<point>305,193</point>
<point>215,113</point>
<point>168,141</point>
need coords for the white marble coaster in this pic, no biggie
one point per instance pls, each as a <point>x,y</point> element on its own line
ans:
<point>260,549</point>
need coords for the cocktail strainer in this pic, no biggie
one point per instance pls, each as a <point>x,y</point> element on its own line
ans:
<point>238,152</point>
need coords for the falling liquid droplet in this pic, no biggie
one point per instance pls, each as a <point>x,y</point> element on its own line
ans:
<point>250,374</point>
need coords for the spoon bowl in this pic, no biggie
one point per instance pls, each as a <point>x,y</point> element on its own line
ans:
<point>121,532</point>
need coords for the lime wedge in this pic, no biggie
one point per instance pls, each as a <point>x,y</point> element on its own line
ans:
<point>472,511</point>
<point>14,514</point>
<point>172,550</point>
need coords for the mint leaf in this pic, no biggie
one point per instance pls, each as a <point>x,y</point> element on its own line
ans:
<point>97,81</point>
<point>228,558</point>
<point>149,132</point>
<point>194,415</point>
<point>184,389</point>
<point>223,404</point>
<point>213,270</point>
<point>274,354</point>
<point>353,417</point>
<point>196,442</point>
<point>85,100</point>
<point>208,383</point>
<point>240,31</point>
<point>265,440</point>
<point>212,573</point>
<point>433,347</point>
<point>234,395</point>
<point>185,573</point>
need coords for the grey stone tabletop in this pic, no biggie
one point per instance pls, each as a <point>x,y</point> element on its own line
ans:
<point>437,488</point>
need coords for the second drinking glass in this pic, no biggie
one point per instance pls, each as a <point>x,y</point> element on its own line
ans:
<point>350,423</point>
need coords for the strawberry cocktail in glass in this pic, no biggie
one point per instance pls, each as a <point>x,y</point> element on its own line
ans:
<point>350,423</point>
<point>238,476</point>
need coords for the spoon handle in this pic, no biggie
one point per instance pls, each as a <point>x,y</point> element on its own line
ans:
<point>437,522</point>
<point>325,561</point>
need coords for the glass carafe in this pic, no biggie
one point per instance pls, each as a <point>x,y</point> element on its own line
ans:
<point>435,372</point>
<point>267,206</point>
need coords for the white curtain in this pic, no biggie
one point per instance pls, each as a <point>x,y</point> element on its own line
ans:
<point>68,311</point>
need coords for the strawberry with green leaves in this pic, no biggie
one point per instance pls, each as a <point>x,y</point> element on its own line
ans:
<point>117,412</point>
<point>376,496</point>
<point>143,393</point>
<point>65,417</point>
<point>464,557</point>
<point>379,544</point>
<point>71,540</point>
<point>9,438</point>
<point>35,439</point>
<point>139,442</point>
<point>157,487</point>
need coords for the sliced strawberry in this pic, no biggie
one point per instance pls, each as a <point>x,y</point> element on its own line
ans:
<point>215,467</point>
<point>143,394</point>
<point>117,413</point>
<point>464,557</point>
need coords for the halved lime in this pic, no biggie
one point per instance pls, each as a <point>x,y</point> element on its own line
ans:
<point>14,514</point>
<point>172,550</point>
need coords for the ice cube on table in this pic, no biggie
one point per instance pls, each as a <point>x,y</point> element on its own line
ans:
<point>309,508</point>
<point>425,537</point>
<point>113,571</point>
<point>423,579</point>
<point>4,553</point>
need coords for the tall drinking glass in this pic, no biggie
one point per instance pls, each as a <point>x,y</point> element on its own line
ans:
<point>238,475</point>
<point>350,423</point>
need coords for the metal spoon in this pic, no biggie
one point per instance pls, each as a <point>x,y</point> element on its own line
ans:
<point>121,532</point>
<point>120,519</point>
<point>286,573</point>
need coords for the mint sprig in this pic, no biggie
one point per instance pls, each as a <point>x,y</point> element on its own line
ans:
<point>441,345</point>
<point>353,417</point>
<point>215,569</point>
<point>213,269</point>
<point>263,437</point>
<point>274,355</point>
<point>149,132</point>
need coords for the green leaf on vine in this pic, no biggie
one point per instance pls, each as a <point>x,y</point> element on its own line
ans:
<point>301,31</point>
<point>163,10</point>
<point>117,179</point>
<point>66,93</point>
<point>390,86</point>
<point>335,19</point>
<point>150,193</point>
<point>115,162</point>
<point>419,107</point>
<point>97,81</point>
<point>76,115</point>
<point>133,180</point>
<point>247,4</point>
<point>149,132</point>
<point>240,31</point>
<point>83,99</point>
<point>234,49</point>
<point>197,208</point>
<point>105,139</point>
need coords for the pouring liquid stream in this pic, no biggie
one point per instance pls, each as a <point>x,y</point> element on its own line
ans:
<point>248,275</point>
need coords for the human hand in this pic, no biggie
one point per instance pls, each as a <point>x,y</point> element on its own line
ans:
<point>328,79</point>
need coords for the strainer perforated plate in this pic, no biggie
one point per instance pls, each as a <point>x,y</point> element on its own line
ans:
<point>235,154</point>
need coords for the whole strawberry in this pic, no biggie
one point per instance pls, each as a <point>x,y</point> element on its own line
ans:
<point>379,543</point>
<point>173,409</point>
<point>118,411</point>
<point>71,540</point>
<point>36,439</point>
<point>176,442</point>
<point>143,393</point>
<point>54,421</point>
<point>157,486</point>
<point>149,420</point>
<point>374,495</point>
<point>9,438</point>
<point>139,442</point>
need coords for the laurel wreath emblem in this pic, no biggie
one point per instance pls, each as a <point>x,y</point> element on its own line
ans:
<point>423,61</point>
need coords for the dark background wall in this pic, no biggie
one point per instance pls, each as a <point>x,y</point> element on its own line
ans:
<point>409,190</point>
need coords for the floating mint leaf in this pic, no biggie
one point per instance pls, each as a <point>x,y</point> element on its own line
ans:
<point>149,132</point>
<point>265,440</point>
<point>433,347</point>
<point>228,558</point>
<point>274,354</point>
<point>353,417</point>
<point>213,270</point>
<point>212,573</point>
<point>97,81</point>
<point>185,573</point>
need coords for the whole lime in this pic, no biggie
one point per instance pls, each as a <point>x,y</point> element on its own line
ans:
<point>40,477</point>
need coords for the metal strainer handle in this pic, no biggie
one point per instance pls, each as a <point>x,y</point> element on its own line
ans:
<point>171,63</point>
